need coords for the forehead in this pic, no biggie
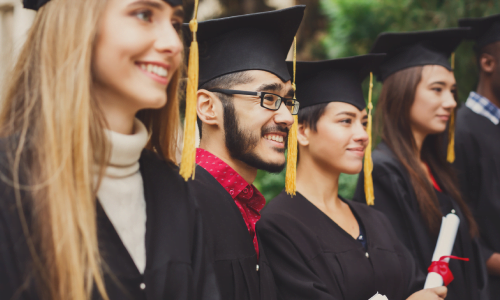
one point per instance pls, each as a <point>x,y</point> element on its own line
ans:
<point>259,77</point>
<point>433,73</point>
<point>334,108</point>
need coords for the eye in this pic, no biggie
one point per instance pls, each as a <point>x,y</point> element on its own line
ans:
<point>346,121</point>
<point>437,89</point>
<point>145,15</point>
<point>365,124</point>
<point>177,26</point>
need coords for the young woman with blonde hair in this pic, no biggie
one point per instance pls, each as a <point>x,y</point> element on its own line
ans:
<point>95,84</point>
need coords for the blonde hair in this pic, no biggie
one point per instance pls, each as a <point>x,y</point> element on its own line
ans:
<point>57,127</point>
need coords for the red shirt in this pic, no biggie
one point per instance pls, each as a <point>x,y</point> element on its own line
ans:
<point>246,196</point>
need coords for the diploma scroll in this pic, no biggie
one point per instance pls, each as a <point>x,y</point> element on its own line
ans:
<point>444,246</point>
<point>378,296</point>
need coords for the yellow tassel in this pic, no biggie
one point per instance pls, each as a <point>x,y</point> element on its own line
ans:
<point>291,163</point>
<point>368,168</point>
<point>450,156</point>
<point>188,159</point>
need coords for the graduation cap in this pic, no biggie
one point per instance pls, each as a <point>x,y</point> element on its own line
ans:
<point>339,80</point>
<point>417,48</point>
<point>259,41</point>
<point>36,4</point>
<point>483,30</point>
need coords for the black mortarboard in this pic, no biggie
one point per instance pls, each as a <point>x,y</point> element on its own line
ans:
<point>337,80</point>
<point>484,30</point>
<point>417,48</point>
<point>259,41</point>
<point>36,4</point>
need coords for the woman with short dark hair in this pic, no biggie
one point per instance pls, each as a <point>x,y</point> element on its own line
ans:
<point>319,245</point>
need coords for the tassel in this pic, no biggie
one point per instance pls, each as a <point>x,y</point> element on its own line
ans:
<point>368,168</point>
<point>450,156</point>
<point>188,160</point>
<point>291,163</point>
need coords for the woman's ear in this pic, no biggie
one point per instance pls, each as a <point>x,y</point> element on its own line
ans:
<point>206,108</point>
<point>303,134</point>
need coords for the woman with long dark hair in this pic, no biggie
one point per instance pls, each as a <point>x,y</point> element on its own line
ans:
<point>91,203</point>
<point>413,183</point>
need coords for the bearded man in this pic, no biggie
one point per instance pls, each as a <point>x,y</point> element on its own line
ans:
<point>244,105</point>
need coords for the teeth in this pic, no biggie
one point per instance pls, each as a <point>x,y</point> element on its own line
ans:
<point>276,138</point>
<point>155,69</point>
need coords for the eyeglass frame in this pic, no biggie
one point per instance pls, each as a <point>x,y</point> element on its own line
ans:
<point>261,95</point>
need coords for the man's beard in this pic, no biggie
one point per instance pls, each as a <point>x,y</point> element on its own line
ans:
<point>241,143</point>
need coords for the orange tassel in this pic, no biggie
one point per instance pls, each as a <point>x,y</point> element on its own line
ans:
<point>368,168</point>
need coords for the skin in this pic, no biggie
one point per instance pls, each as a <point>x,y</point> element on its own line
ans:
<point>337,146</point>
<point>489,87</point>
<point>433,105</point>
<point>252,117</point>
<point>132,33</point>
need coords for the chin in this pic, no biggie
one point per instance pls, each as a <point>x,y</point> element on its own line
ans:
<point>152,102</point>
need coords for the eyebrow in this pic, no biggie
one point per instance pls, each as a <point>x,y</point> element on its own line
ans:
<point>179,12</point>
<point>270,87</point>
<point>350,114</point>
<point>290,93</point>
<point>149,3</point>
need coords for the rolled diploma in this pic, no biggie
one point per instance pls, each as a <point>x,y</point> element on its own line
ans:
<point>444,246</point>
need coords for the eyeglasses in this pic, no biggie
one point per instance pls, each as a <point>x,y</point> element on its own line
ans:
<point>267,100</point>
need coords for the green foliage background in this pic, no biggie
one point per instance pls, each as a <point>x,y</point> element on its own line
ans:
<point>353,26</point>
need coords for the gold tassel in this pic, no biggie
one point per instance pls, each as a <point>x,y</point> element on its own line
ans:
<point>450,157</point>
<point>291,163</point>
<point>188,160</point>
<point>368,168</point>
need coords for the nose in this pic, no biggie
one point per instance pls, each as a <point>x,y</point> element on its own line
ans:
<point>449,101</point>
<point>283,116</point>
<point>168,41</point>
<point>359,133</point>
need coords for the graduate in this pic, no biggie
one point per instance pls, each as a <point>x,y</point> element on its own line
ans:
<point>245,107</point>
<point>319,245</point>
<point>86,212</point>
<point>477,141</point>
<point>414,185</point>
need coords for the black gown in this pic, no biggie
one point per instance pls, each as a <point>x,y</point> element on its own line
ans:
<point>239,274</point>
<point>313,258</point>
<point>177,265</point>
<point>477,148</point>
<point>394,196</point>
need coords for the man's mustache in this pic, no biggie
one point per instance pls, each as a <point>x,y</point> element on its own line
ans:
<point>274,128</point>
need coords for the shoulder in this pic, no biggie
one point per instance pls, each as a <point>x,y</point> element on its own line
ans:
<point>205,184</point>
<point>385,162</point>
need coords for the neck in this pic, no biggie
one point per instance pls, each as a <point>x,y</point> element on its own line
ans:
<point>316,182</point>
<point>484,88</point>
<point>120,116</point>
<point>218,149</point>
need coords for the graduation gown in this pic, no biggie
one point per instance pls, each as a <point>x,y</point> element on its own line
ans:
<point>177,266</point>
<point>239,274</point>
<point>313,258</point>
<point>395,197</point>
<point>477,148</point>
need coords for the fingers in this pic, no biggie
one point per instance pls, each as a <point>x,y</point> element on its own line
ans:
<point>441,291</point>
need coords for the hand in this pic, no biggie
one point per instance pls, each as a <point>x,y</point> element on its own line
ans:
<point>493,264</point>
<point>438,293</point>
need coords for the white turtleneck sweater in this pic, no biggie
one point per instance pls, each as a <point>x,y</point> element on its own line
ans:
<point>121,192</point>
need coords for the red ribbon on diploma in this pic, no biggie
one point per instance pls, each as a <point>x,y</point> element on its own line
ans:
<point>441,267</point>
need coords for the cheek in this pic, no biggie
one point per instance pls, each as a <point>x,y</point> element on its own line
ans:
<point>424,107</point>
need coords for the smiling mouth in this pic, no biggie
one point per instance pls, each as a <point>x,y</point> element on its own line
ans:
<point>274,137</point>
<point>154,69</point>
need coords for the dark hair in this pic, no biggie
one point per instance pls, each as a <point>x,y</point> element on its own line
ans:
<point>395,102</point>
<point>225,82</point>
<point>310,115</point>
